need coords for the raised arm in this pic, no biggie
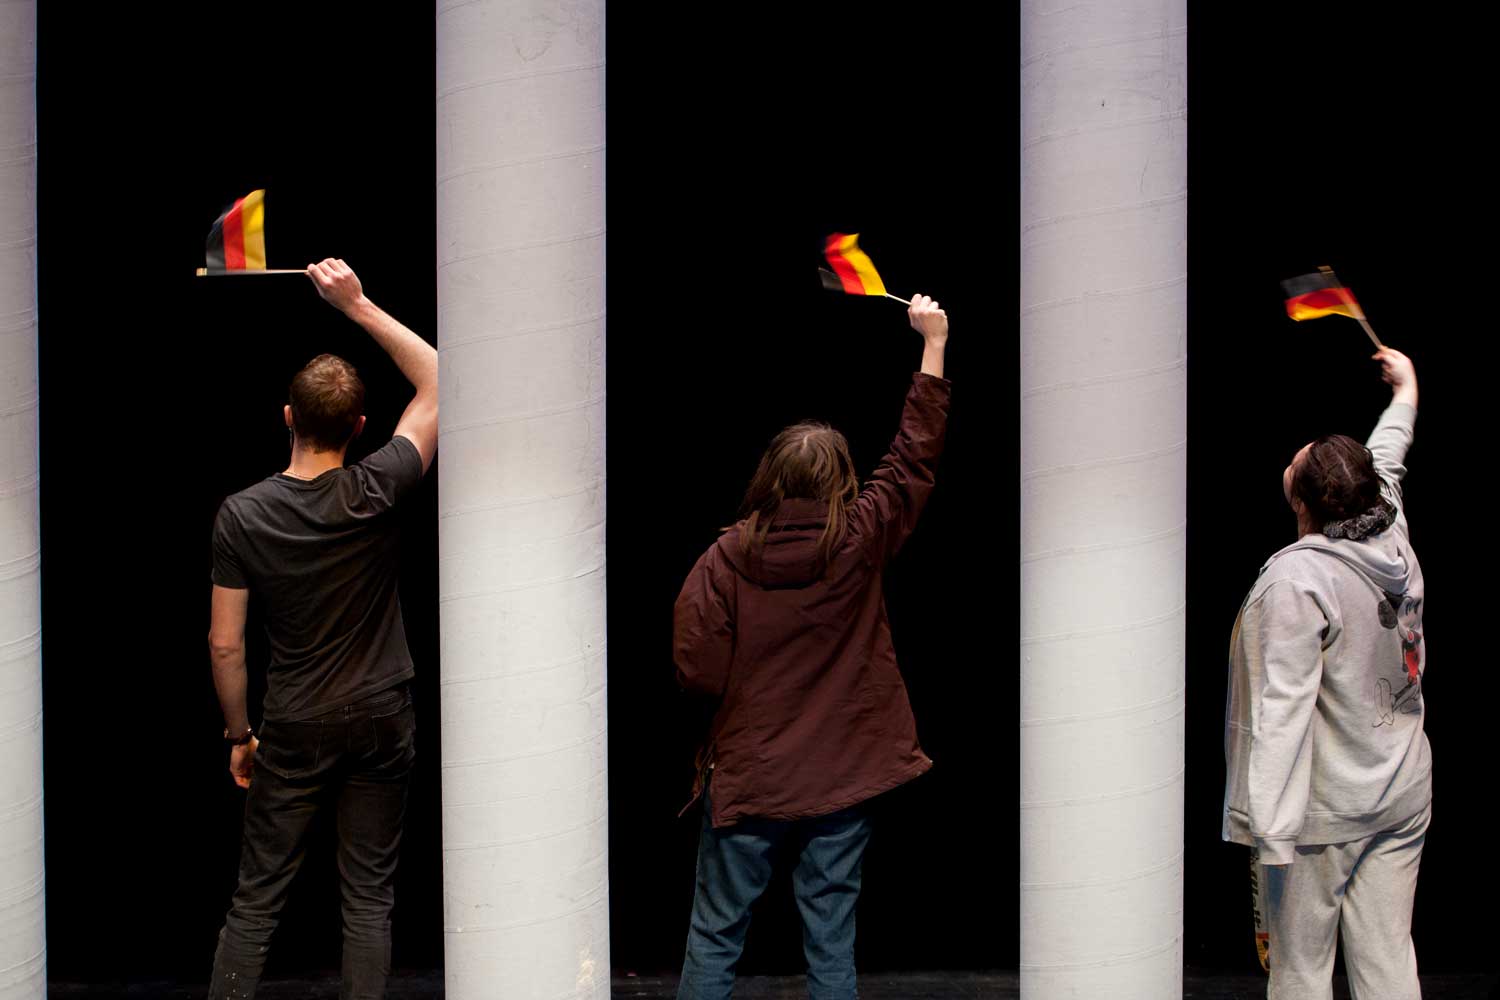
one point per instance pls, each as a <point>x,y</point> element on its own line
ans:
<point>339,286</point>
<point>887,508</point>
<point>1392,435</point>
<point>1397,370</point>
<point>932,323</point>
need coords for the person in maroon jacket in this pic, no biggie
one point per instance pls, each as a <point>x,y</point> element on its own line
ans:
<point>783,619</point>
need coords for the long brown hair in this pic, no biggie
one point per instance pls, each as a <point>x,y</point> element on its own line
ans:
<point>806,461</point>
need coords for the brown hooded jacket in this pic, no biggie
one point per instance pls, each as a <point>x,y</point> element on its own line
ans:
<point>814,715</point>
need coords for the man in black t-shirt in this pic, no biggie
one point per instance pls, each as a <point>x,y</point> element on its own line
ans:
<point>317,543</point>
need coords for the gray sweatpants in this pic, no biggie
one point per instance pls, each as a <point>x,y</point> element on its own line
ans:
<point>1363,889</point>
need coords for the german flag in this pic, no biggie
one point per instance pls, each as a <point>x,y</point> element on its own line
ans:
<point>237,241</point>
<point>855,273</point>
<point>1319,294</point>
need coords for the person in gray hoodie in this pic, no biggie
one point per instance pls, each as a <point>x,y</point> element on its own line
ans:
<point>1329,773</point>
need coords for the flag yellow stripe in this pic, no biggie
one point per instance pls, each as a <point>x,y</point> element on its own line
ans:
<point>860,261</point>
<point>253,222</point>
<point>1313,312</point>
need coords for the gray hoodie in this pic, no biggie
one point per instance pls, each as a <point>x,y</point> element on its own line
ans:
<point>1323,730</point>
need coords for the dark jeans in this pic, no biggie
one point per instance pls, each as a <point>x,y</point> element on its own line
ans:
<point>358,762</point>
<point>734,866</point>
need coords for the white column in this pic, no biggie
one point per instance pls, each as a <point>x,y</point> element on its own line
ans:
<point>1103,496</point>
<point>520,248</point>
<point>23,932</point>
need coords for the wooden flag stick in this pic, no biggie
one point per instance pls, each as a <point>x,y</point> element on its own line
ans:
<point>1374,339</point>
<point>204,272</point>
<point>897,298</point>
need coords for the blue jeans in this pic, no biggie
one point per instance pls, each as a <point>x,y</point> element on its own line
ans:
<point>357,761</point>
<point>734,866</point>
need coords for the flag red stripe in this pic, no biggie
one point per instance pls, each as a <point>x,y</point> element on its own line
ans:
<point>1323,298</point>
<point>842,267</point>
<point>234,238</point>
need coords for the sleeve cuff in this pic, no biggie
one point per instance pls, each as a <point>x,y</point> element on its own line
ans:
<point>931,383</point>
<point>1276,852</point>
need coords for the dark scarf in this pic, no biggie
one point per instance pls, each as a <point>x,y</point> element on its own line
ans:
<point>1361,526</point>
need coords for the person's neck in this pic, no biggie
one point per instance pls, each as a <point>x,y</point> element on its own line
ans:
<point>307,464</point>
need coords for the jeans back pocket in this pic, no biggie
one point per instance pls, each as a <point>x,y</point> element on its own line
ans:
<point>291,750</point>
<point>394,729</point>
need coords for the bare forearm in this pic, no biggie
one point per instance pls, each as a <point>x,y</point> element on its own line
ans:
<point>1400,374</point>
<point>416,358</point>
<point>932,323</point>
<point>932,357</point>
<point>230,684</point>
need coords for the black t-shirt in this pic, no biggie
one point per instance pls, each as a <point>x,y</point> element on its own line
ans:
<point>321,555</point>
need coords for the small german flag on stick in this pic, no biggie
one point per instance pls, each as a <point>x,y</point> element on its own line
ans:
<point>852,270</point>
<point>237,241</point>
<point>1322,294</point>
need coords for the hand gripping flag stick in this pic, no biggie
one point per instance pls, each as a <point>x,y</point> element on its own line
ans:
<point>1322,294</point>
<point>237,241</point>
<point>852,270</point>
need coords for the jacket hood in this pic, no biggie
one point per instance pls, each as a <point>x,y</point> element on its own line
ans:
<point>1377,557</point>
<point>789,557</point>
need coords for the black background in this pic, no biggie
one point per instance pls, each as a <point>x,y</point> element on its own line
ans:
<point>736,142</point>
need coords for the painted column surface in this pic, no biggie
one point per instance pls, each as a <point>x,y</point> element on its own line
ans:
<point>520,249</point>
<point>1103,496</point>
<point>23,932</point>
